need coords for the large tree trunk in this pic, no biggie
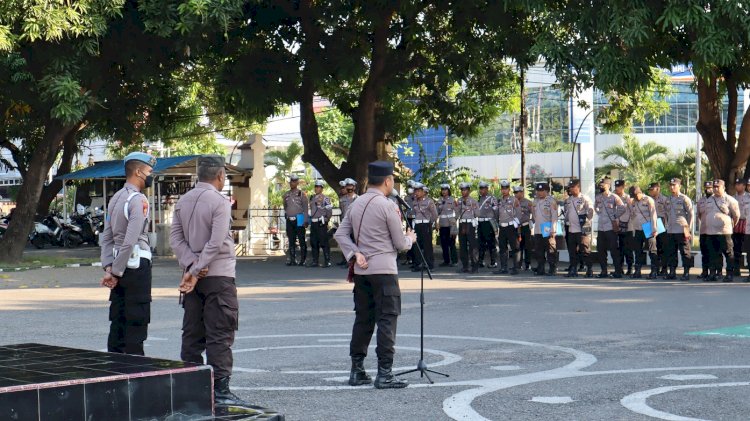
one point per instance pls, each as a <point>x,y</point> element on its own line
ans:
<point>15,238</point>
<point>720,154</point>
<point>50,191</point>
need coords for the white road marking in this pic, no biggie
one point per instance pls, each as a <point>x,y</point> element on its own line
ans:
<point>636,402</point>
<point>552,399</point>
<point>683,377</point>
<point>506,367</point>
<point>249,370</point>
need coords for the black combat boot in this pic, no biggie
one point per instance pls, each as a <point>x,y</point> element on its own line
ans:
<point>672,273</point>
<point>224,397</point>
<point>654,272</point>
<point>385,378</point>
<point>514,271</point>
<point>686,274</point>
<point>704,273</point>
<point>711,275</point>
<point>618,274</point>
<point>358,375</point>
<point>552,270</point>
<point>572,272</point>
<point>630,270</point>
<point>539,271</point>
<point>729,277</point>
<point>637,274</point>
<point>589,271</point>
<point>603,275</point>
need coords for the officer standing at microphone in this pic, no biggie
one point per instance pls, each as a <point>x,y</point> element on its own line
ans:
<point>126,258</point>
<point>375,222</point>
<point>446,208</point>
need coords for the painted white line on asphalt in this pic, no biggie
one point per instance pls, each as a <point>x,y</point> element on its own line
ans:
<point>684,377</point>
<point>636,402</point>
<point>506,367</point>
<point>249,370</point>
<point>333,340</point>
<point>552,399</point>
<point>156,338</point>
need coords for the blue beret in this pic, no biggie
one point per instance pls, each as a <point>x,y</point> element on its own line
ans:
<point>380,168</point>
<point>142,157</point>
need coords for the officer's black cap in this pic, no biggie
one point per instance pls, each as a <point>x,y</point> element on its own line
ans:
<point>211,161</point>
<point>708,184</point>
<point>653,186</point>
<point>380,168</point>
<point>574,182</point>
<point>675,181</point>
<point>740,181</point>
<point>542,186</point>
<point>619,183</point>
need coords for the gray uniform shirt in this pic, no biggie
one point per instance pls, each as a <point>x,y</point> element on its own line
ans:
<point>487,207</point>
<point>380,231</point>
<point>642,211</point>
<point>321,207</point>
<point>295,202</point>
<point>200,236</point>
<point>609,208</point>
<point>743,201</point>
<point>700,207</point>
<point>467,209</point>
<point>425,210</point>
<point>524,214</point>
<point>679,214</point>
<point>721,214</point>
<point>123,232</point>
<point>545,210</point>
<point>447,207</point>
<point>661,202</point>
<point>625,217</point>
<point>507,209</point>
<point>575,206</point>
<point>344,202</point>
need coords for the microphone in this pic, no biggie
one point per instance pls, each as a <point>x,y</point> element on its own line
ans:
<point>399,199</point>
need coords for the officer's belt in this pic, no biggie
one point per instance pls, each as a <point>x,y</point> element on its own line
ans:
<point>484,219</point>
<point>525,224</point>
<point>317,219</point>
<point>505,224</point>
<point>421,221</point>
<point>466,220</point>
<point>291,218</point>
<point>451,215</point>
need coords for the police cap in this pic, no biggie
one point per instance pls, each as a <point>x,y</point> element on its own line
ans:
<point>619,183</point>
<point>504,184</point>
<point>517,189</point>
<point>380,168</point>
<point>294,177</point>
<point>604,182</point>
<point>483,185</point>
<point>342,183</point>
<point>574,182</point>
<point>319,183</point>
<point>350,182</point>
<point>542,186</point>
<point>709,184</point>
<point>718,183</point>
<point>653,185</point>
<point>740,181</point>
<point>675,181</point>
<point>142,157</point>
<point>464,185</point>
<point>445,186</point>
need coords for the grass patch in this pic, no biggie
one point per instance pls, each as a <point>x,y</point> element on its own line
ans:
<point>40,261</point>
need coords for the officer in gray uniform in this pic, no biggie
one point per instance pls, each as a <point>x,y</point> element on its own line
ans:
<point>661,203</point>
<point>508,210</point>
<point>700,205</point>
<point>722,214</point>
<point>625,236</point>
<point>487,217</point>
<point>679,222</point>
<point>738,235</point>
<point>321,210</point>
<point>409,199</point>
<point>346,199</point>
<point>643,211</point>
<point>202,241</point>
<point>467,230</point>
<point>126,258</point>
<point>524,217</point>
<point>446,207</point>
<point>295,208</point>
<point>609,207</point>
<point>375,222</point>
<point>579,211</point>
<point>425,217</point>
<point>544,212</point>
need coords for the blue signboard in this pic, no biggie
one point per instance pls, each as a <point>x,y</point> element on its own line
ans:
<point>433,143</point>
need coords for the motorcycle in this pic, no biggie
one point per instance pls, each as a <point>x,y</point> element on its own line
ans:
<point>83,228</point>
<point>49,231</point>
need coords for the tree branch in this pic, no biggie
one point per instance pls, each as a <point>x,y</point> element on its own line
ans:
<point>731,85</point>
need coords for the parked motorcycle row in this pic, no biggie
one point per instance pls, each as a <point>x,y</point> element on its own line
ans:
<point>82,227</point>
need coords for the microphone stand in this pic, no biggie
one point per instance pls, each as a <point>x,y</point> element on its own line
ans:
<point>421,365</point>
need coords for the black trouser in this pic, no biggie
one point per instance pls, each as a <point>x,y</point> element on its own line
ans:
<point>579,249</point>
<point>526,245</point>
<point>508,238</point>
<point>296,234</point>
<point>319,239</point>
<point>210,320</point>
<point>546,251</point>
<point>424,240</point>
<point>661,249</point>
<point>738,241</point>
<point>705,253</point>
<point>606,241</point>
<point>448,244</point>
<point>377,301</point>
<point>625,244</point>
<point>639,245</point>
<point>719,245</point>
<point>467,241</point>
<point>130,310</point>
<point>677,242</point>
<point>486,241</point>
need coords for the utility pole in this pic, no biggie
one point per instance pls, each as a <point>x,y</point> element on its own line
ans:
<point>522,132</point>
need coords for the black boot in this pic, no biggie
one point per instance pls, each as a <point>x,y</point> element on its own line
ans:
<point>704,273</point>
<point>637,274</point>
<point>224,397</point>
<point>654,272</point>
<point>603,275</point>
<point>386,379</point>
<point>572,272</point>
<point>729,277</point>
<point>514,271</point>
<point>539,271</point>
<point>552,270</point>
<point>630,270</point>
<point>686,274</point>
<point>358,375</point>
<point>672,273</point>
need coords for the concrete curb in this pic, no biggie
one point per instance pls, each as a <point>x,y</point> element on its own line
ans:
<point>70,265</point>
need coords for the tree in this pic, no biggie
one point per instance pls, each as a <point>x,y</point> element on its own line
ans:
<point>285,160</point>
<point>635,161</point>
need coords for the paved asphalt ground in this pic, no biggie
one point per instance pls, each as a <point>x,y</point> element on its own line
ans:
<point>520,348</point>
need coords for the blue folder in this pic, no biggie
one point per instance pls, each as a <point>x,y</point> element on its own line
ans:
<point>648,229</point>
<point>546,228</point>
<point>300,219</point>
<point>660,226</point>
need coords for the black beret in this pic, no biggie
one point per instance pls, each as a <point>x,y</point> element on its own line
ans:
<point>740,181</point>
<point>708,184</point>
<point>619,183</point>
<point>211,161</point>
<point>574,182</point>
<point>380,168</point>
<point>654,185</point>
<point>542,186</point>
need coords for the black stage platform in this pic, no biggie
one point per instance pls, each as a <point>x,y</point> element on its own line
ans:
<point>43,382</point>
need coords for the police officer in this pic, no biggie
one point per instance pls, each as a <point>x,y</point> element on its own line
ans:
<point>643,211</point>
<point>126,258</point>
<point>609,207</point>
<point>321,210</point>
<point>661,202</point>
<point>738,234</point>
<point>679,222</point>
<point>487,217</point>
<point>625,235</point>
<point>508,209</point>
<point>375,222</point>
<point>544,212</point>
<point>579,212</point>
<point>409,199</point>
<point>467,230</point>
<point>343,204</point>
<point>202,241</point>
<point>524,218</point>
<point>448,227</point>
<point>295,208</point>
<point>722,213</point>
<point>745,211</point>
<point>701,204</point>
<point>425,216</point>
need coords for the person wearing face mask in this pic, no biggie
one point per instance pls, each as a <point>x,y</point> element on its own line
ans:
<point>126,258</point>
<point>642,212</point>
<point>610,208</point>
<point>700,205</point>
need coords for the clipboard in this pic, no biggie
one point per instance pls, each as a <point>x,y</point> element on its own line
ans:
<point>546,228</point>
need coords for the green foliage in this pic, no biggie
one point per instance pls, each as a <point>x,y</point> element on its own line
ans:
<point>336,132</point>
<point>636,162</point>
<point>285,161</point>
<point>434,172</point>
